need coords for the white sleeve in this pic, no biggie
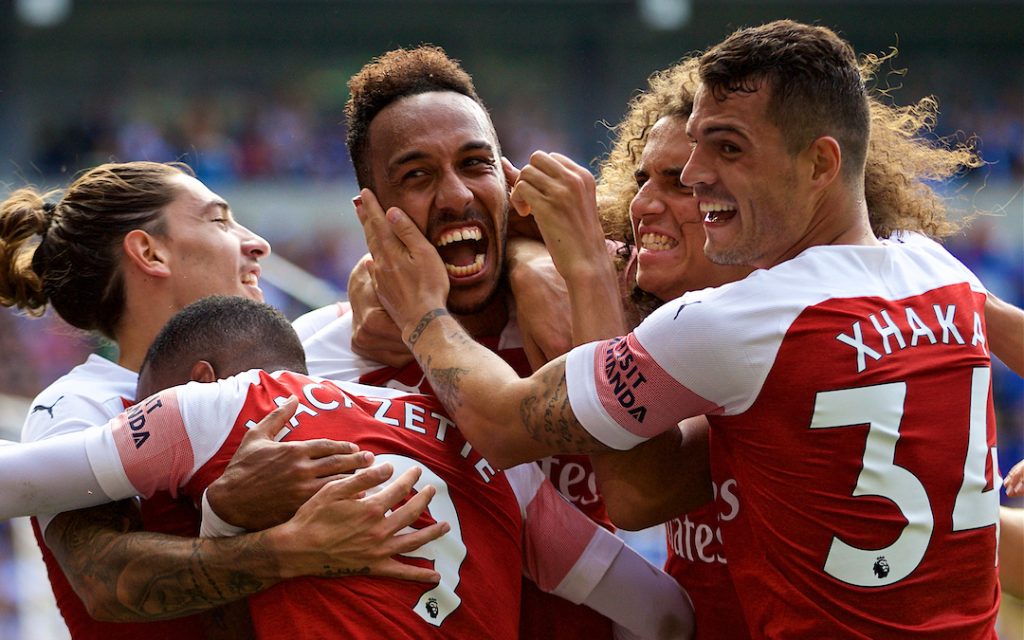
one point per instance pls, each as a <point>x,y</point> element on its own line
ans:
<point>51,476</point>
<point>329,352</point>
<point>309,323</point>
<point>213,526</point>
<point>160,443</point>
<point>642,600</point>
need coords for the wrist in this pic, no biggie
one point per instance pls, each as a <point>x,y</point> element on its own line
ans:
<point>411,334</point>
<point>284,558</point>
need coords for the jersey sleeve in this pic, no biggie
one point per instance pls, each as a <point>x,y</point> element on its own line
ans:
<point>158,444</point>
<point>329,352</point>
<point>308,324</point>
<point>51,475</point>
<point>564,552</point>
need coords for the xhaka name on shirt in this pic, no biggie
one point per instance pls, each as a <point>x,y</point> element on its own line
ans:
<point>885,332</point>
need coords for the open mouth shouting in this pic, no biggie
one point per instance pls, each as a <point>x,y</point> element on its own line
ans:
<point>463,250</point>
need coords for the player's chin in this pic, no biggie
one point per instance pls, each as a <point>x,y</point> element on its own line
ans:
<point>472,298</point>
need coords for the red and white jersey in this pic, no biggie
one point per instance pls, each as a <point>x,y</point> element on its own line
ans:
<point>544,616</point>
<point>91,394</point>
<point>849,389</point>
<point>502,524</point>
<point>329,354</point>
<point>696,559</point>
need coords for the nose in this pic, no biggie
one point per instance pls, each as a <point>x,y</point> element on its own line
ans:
<point>452,193</point>
<point>646,202</point>
<point>698,169</point>
<point>253,244</point>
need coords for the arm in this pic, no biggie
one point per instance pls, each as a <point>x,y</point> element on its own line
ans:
<point>374,334</point>
<point>541,300</point>
<point>1005,332</point>
<point>567,554</point>
<point>125,574</point>
<point>644,486</point>
<point>1011,551</point>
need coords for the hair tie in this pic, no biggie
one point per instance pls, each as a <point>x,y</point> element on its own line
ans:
<point>48,209</point>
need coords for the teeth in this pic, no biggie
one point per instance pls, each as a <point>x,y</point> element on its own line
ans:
<point>466,270</point>
<point>457,235</point>
<point>250,279</point>
<point>715,207</point>
<point>656,242</point>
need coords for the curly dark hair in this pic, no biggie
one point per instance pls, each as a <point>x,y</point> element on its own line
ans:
<point>394,75</point>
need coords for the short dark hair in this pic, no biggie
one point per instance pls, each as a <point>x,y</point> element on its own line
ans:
<point>815,82</point>
<point>232,333</point>
<point>394,75</point>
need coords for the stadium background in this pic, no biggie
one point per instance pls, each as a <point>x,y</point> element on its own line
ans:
<point>250,92</point>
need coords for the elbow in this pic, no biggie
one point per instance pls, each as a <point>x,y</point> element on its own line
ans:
<point>630,519</point>
<point>105,609</point>
<point>503,456</point>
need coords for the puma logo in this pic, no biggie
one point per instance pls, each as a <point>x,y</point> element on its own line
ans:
<point>683,306</point>
<point>48,409</point>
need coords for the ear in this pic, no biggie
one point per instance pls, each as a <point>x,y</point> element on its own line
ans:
<point>146,253</point>
<point>825,158</point>
<point>202,371</point>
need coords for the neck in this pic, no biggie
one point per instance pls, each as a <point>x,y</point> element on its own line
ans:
<point>840,217</point>
<point>144,316</point>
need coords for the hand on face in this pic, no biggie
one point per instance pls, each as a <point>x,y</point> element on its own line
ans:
<point>406,271</point>
<point>560,195</point>
<point>374,334</point>
<point>521,226</point>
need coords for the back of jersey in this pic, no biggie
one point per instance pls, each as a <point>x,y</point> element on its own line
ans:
<point>480,559</point>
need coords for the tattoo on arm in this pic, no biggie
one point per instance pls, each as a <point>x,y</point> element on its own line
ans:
<point>421,326</point>
<point>548,417</point>
<point>125,574</point>
<point>446,384</point>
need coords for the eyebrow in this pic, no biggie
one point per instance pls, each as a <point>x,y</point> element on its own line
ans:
<point>724,128</point>
<point>218,204</point>
<point>416,154</point>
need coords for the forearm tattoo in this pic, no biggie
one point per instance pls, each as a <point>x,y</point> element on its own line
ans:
<point>131,575</point>
<point>549,419</point>
<point>445,382</point>
<point>421,326</point>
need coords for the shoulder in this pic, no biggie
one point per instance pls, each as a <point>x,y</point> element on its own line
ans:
<point>308,324</point>
<point>90,394</point>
